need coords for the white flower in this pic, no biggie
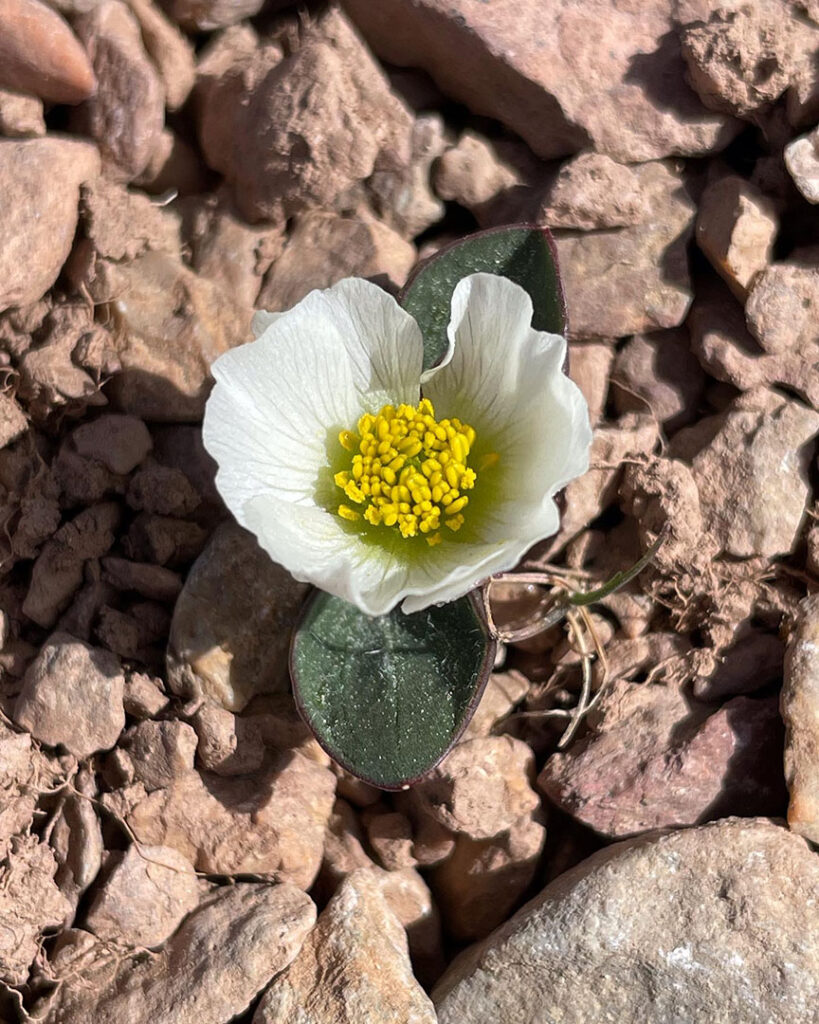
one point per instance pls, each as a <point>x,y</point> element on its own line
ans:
<point>416,502</point>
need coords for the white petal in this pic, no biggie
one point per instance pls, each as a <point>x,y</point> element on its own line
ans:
<point>317,549</point>
<point>279,401</point>
<point>262,319</point>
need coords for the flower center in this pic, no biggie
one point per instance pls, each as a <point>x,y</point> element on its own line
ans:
<point>409,471</point>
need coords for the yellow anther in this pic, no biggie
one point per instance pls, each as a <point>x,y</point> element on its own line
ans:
<point>408,471</point>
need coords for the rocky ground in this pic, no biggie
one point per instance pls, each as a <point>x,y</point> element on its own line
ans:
<point>174,846</point>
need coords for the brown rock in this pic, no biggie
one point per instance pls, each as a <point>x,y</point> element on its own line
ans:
<point>590,366</point>
<point>632,279</point>
<point>475,174</point>
<point>25,772</point>
<point>13,422</point>
<point>752,476</point>
<point>402,198</point>
<point>30,902</point>
<point>592,191</point>
<point>21,116</point>
<point>171,325</point>
<point>503,692</point>
<point>659,371</point>
<point>120,225</point>
<point>800,700</point>
<point>390,835</point>
<point>781,308</point>
<point>531,68</point>
<point>160,751</point>
<point>275,127</point>
<point>324,248</point>
<point>143,696</point>
<point>39,194</point>
<point>169,50</point>
<point>162,489</point>
<point>409,898</point>
<point>72,697</point>
<point>39,54</point>
<point>631,436</point>
<point>147,892</point>
<point>653,761</point>
<point>119,442</point>
<point>481,788</point>
<point>271,823</point>
<point>152,581</point>
<point>742,57</point>
<point>58,571</point>
<point>76,839</point>
<point>353,967</point>
<point>736,229</point>
<point>207,15</point>
<point>666,908</point>
<point>729,352</point>
<point>479,886</point>
<point>228,745</point>
<point>164,540</point>
<point>229,252</point>
<point>230,632</point>
<point>802,161</point>
<point>250,932</point>
<point>127,113</point>
<point>343,851</point>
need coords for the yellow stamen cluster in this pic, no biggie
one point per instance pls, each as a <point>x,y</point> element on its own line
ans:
<point>408,471</point>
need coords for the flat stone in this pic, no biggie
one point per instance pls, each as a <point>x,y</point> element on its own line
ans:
<point>119,442</point>
<point>663,908</point>
<point>208,972</point>
<point>143,696</point>
<point>654,761</point>
<point>481,788</point>
<point>323,248</point>
<point>565,77</point>
<point>271,823</point>
<point>590,364</point>
<point>228,745</point>
<point>127,112</point>
<point>752,477</point>
<point>800,710</point>
<point>170,51</point>
<point>171,325</point>
<point>230,631</point>
<point>484,880</point>
<point>353,968</point>
<point>76,838</point>
<point>474,174</point>
<point>802,161</point>
<point>72,697</point>
<point>147,892</point>
<point>591,191</point>
<point>736,229</point>
<point>632,279</point>
<point>39,196</point>
<point>207,15</point>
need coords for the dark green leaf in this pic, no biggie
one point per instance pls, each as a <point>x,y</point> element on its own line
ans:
<point>522,253</point>
<point>387,697</point>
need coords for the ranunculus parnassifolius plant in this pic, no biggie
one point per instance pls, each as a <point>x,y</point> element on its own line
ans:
<point>382,483</point>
